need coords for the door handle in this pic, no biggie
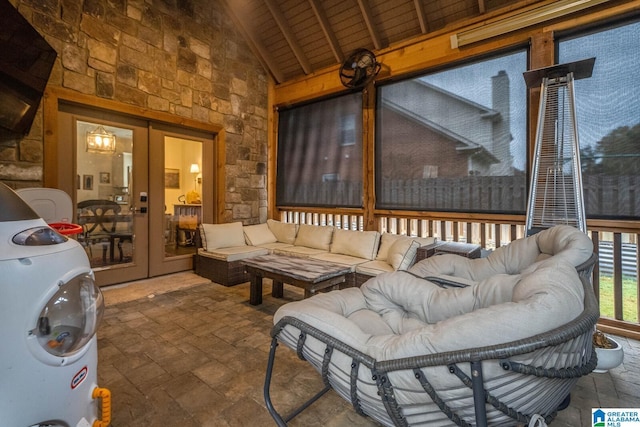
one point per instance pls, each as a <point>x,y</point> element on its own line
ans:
<point>142,209</point>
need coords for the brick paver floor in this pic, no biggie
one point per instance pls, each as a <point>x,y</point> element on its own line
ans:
<point>196,356</point>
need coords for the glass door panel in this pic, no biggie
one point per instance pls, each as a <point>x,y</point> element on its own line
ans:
<point>103,193</point>
<point>182,195</point>
<point>178,172</point>
<point>106,175</point>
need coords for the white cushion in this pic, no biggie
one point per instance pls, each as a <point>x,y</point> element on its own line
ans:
<point>222,235</point>
<point>422,316</point>
<point>361,244</point>
<point>298,251</point>
<point>233,253</point>
<point>314,236</point>
<point>275,245</point>
<point>386,241</point>
<point>402,253</point>
<point>258,234</point>
<point>373,268</point>
<point>341,259</point>
<point>561,241</point>
<point>284,232</point>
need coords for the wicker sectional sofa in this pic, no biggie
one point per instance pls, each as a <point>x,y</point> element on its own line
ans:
<point>368,253</point>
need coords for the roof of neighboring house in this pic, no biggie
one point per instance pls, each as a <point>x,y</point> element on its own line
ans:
<point>405,104</point>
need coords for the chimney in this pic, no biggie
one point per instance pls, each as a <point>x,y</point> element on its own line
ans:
<point>501,127</point>
<point>500,94</point>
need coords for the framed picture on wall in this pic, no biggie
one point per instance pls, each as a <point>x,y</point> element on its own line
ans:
<point>105,178</point>
<point>87,182</point>
<point>171,178</point>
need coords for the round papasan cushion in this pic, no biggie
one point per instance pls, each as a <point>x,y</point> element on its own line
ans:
<point>399,315</point>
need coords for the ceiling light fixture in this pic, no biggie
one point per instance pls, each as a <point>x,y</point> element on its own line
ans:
<point>522,20</point>
<point>101,141</point>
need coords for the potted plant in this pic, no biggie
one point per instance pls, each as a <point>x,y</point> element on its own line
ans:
<point>609,352</point>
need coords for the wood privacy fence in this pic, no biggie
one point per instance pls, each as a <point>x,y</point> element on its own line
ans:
<point>604,195</point>
<point>489,194</point>
<point>612,195</point>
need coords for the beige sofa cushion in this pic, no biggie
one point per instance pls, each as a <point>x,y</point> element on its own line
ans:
<point>298,251</point>
<point>284,232</point>
<point>314,236</point>
<point>258,234</point>
<point>360,244</point>
<point>234,253</point>
<point>331,258</point>
<point>402,253</point>
<point>386,241</point>
<point>275,246</point>
<point>215,236</point>
<point>373,268</point>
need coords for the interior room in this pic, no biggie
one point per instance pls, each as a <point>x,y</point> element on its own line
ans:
<point>227,177</point>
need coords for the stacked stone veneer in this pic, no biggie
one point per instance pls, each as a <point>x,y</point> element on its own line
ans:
<point>183,57</point>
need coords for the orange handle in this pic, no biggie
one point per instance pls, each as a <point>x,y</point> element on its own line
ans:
<point>105,406</point>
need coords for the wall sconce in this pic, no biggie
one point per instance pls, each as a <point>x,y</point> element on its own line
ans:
<point>195,170</point>
<point>101,141</point>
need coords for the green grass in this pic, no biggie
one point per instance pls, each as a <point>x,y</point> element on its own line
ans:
<point>629,298</point>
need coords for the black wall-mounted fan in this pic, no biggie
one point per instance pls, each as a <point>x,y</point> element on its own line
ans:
<point>359,68</point>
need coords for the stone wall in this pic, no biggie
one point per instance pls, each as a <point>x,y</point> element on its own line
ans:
<point>183,57</point>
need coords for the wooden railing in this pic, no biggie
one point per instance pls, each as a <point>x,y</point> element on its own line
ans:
<point>616,284</point>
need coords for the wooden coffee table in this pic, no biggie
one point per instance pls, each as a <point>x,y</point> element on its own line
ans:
<point>308,274</point>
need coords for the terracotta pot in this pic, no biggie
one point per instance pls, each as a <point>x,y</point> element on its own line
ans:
<point>609,358</point>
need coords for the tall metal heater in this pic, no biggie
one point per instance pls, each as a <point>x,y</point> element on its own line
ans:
<point>556,195</point>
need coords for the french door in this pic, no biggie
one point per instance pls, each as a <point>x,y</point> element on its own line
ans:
<point>181,182</point>
<point>127,178</point>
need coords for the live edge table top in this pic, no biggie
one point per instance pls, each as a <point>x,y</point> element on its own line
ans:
<point>306,273</point>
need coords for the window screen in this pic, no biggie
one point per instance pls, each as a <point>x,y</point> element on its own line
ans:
<point>455,140</point>
<point>320,153</point>
<point>608,116</point>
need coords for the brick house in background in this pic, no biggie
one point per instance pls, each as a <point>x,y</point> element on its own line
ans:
<point>430,132</point>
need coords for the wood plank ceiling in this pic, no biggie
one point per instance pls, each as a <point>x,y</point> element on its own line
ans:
<point>295,38</point>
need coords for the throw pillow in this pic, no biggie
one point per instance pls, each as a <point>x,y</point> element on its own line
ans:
<point>402,253</point>
<point>219,236</point>
<point>258,234</point>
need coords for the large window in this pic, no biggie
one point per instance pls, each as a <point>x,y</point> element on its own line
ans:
<point>455,140</point>
<point>608,115</point>
<point>320,153</point>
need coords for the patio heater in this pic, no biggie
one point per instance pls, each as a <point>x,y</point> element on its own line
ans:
<point>556,195</point>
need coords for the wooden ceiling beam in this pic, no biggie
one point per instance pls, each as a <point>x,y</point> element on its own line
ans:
<point>254,42</point>
<point>326,29</point>
<point>368,19</point>
<point>422,19</point>
<point>288,35</point>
